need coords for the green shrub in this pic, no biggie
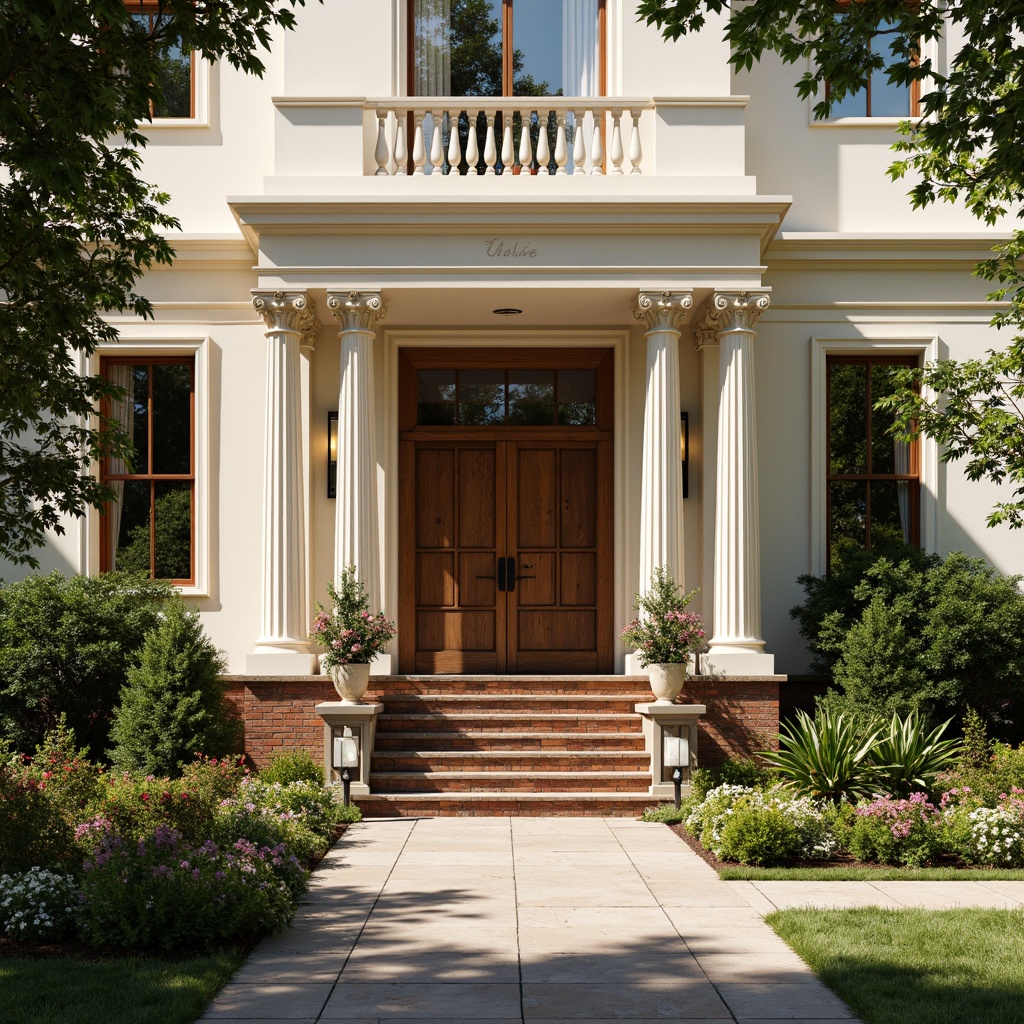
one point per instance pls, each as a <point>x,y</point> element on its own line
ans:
<point>931,637</point>
<point>71,781</point>
<point>349,815</point>
<point>65,646</point>
<point>173,706</point>
<point>743,771</point>
<point>161,892</point>
<point>759,835</point>
<point>33,832</point>
<point>214,779</point>
<point>293,766</point>
<point>887,831</point>
<point>667,813</point>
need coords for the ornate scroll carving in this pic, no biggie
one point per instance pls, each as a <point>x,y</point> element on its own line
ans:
<point>357,310</point>
<point>309,326</point>
<point>281,310</point>
<point>662,310</point>
<point>730,311</point>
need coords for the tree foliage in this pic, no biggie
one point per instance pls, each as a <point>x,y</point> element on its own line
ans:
<point>78,226</point>
<point>966,146</point>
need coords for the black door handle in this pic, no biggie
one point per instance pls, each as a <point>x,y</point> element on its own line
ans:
<point>511,580</point>
<point>501,573</point>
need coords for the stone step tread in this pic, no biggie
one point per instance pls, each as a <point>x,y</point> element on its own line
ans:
<point>642,798</point>
<point>547,698</point>
<point>404,776</point>
<point>514,716</point>
<point>504,755</point>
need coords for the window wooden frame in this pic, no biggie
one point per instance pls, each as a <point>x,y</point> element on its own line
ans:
<point>914,105</point>
<point>106,546</point>
<point>913,477</point>
<point>152,7</point>
<point>508,47</point>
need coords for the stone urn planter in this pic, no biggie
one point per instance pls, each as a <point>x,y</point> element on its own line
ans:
<point>351,682</point>
<point>667,681</point>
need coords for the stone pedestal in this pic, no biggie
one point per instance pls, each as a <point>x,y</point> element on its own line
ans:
<point>362,720</point>
<point>658,717</point>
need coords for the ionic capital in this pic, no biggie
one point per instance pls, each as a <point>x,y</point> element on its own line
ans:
<point>357,311</point>
<point>662,310</point>
<point>281,310</point>
<point>729,311</point>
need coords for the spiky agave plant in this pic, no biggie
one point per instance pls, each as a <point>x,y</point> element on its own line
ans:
<point>908,755</point>
<point>826,757</point>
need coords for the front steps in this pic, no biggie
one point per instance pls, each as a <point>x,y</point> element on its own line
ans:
<point>509,745</point>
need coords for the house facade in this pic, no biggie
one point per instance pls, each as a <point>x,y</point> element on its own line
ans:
<point>508,304</point>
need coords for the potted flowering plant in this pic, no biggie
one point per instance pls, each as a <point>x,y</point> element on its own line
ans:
<point>664,635</point>
<point>351,635</point>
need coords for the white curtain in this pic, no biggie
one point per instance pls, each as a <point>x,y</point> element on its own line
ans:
<point>580,48</point>
<point>122,410</point>
<point>433,21</point>
<point>901,458</point>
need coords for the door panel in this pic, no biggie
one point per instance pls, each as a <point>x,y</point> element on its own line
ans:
<point>578,504</point>
<point>435,493</point>
<point>535,517</point>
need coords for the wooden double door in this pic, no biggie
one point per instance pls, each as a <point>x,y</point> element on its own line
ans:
<point>506,555</point>
<point>505,510</point>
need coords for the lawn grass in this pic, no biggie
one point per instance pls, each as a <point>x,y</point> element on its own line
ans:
<point>129,990</point>
<point>843,874</point>
<point>915,966</point>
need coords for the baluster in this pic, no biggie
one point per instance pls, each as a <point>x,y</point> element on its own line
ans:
<point>508,152</point>
<point>579,146</point>
<point>636,153</point>
<point>543,149</point>
<point>401,152</point>
<point>419,151</point>
<point>525,145</point>
<point>454,146</point>
<point>597,146</point>
<point>616,147</point>
<point>472,147</point>
<point>380,151</point>
<point>490,147</point>
<point>437,141</point>
<point>561,148</point>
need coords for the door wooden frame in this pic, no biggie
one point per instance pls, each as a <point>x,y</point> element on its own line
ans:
<point>601,434</point>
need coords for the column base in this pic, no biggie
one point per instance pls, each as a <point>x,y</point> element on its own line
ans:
<point>281,663</point>
<point>737,661</point>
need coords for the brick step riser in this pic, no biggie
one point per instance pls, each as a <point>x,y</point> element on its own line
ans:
<point>413,782</point>
<point>431,686</point>
<point>505,807</point>
<point>387,741</point>
<point>433,723</point>
<point>438,761</point>
<point>612,704</point>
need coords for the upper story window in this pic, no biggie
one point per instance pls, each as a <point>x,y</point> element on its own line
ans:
<point>874,481</point>
<point>507,47</point>
<point>150,528</point>
<point>880,97</point>
<point>177,74</point>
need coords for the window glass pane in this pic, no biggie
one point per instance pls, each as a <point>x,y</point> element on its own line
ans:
<point>890,512</point>
<point>172,419</point>
<point>173,514</point>
<point>847,514</point>
<point>174,74</point>
<point>129,523</point>
<point>139,426</point>
<point>531,397</point>
<point>883,445</point>
<point>435,397</point>
<point>556,48</point>
<point>481,397</point>
<point>457,47</point>
<point>848,422</point>
<point>851,105</point>
<point>888,99</point>
<point>577,398</point>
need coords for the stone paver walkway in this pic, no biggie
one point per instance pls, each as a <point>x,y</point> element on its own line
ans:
<point>513,920</point>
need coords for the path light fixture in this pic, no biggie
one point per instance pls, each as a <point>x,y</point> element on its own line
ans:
<point>676,756</point>
<point>332,454</point>
<point>345,758</point>
<point>684,450</point>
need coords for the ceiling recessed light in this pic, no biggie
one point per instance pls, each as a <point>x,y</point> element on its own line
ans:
<point>506,311</point>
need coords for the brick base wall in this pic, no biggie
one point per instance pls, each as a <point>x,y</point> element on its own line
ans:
<point>742,717</point>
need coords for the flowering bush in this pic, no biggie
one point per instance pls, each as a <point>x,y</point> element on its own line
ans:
<point>159,891</point>
<point>350,634</point>
<point>989,835</point>
<point>762,826</point>
<point>888,831</point>
<point>32,830</point>
<point>37,905</point>
<point>664,634</point>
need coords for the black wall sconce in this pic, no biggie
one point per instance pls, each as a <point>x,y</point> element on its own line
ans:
<point>684,445</point>
<point>332,455</point>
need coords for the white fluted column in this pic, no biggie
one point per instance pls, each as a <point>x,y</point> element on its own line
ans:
<point>661,497</point>
<point>736,646</point>
<point>356,535</point>
<point>281,648</point>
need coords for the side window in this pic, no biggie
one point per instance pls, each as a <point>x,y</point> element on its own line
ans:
<point>177,69</point>
<point>507,47</point>
<point>150,527</point>
<point>880,97</point>
<point>873,480</point>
